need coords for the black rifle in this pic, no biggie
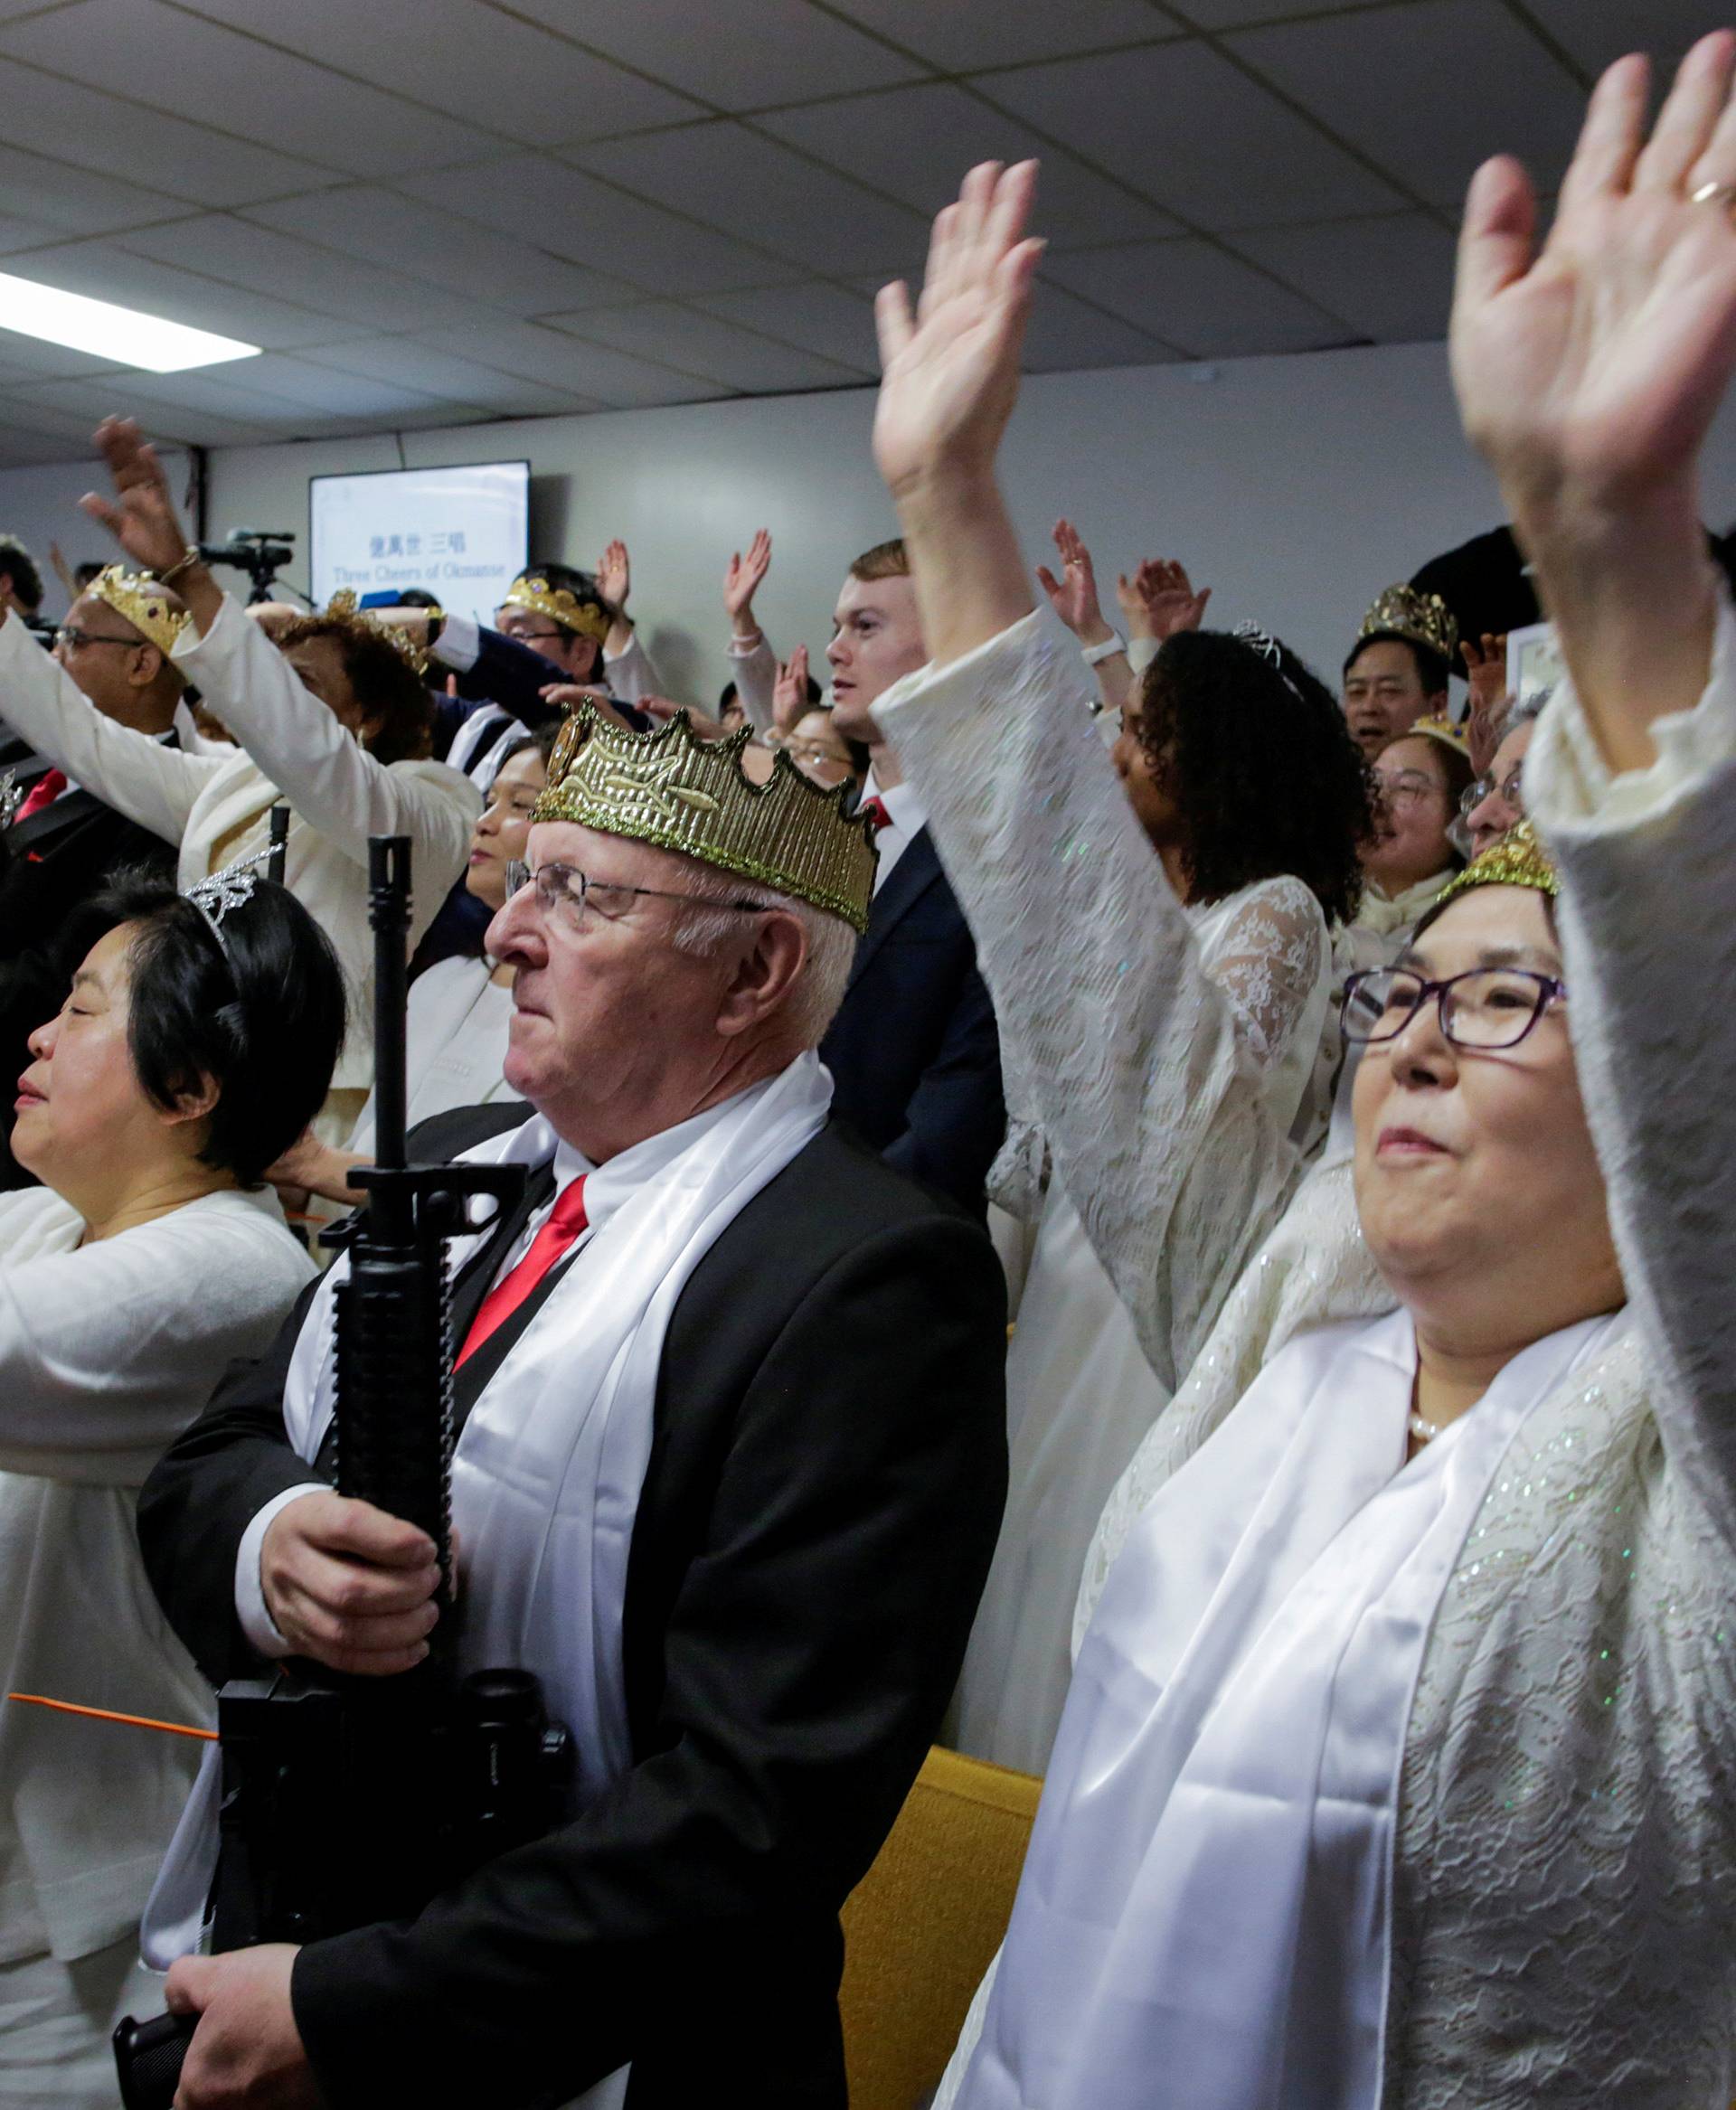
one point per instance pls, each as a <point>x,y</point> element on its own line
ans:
<point>346,1801</point>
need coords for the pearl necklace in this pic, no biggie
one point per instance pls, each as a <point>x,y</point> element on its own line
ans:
<point>1424,1431</point>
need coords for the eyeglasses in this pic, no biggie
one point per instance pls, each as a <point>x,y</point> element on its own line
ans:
<point>1510,790</point>
<point>524,636</point>
<point>563,892</point>
<point>802,751</point>
<point>70,634</point>
<point>1486,1007</point>
<point>1407,787</point>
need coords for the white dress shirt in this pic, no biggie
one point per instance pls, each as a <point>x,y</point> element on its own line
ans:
<point>909,818</point>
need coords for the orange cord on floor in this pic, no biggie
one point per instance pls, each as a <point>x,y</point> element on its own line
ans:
<point>137,1722</point>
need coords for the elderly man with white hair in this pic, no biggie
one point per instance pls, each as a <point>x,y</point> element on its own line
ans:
<point>727,1478</point>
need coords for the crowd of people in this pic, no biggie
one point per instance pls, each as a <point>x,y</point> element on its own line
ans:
<point>1087,1195</point>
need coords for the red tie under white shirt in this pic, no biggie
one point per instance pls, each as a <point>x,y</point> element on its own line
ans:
<point>565,1224</point>
<point>898,819</point>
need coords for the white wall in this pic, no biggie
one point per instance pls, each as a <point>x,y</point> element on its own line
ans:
<point>1295,487</point>
<point>41,506</point>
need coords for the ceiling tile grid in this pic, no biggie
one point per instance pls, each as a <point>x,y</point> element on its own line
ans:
<point>533,207</point>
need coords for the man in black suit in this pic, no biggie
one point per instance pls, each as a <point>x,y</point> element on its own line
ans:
<point>822,1474</point>
<point>62,841</point>
<point>914,1047</point>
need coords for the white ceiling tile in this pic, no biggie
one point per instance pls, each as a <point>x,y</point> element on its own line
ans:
<point>1597,32</point>
<point>746,55</point>
<point>707,345</point>
<point>820,319</point>
<point>1204,303</point>
<point>561,209</point>
<point>409,362</point>
<point>758,191</point>
<point>916,143</point>
<point>1065,336</point>
<point>963,34</point>
<point>339,394</point>
<point>1185,127</point>
<point>508,76</point>
<point>158,55</point>
<point>74,201</point>
<point>26,234</point>
<point>1508,94</point>
<point>1392,278</point>
<point>478,263</point>
<point>83,400</point>
<point>107,272</point>
<point>262,261</point>
<point>79,125</point>
<point>44,361</point>
<point>550,355</point>
<point>73,426</point>
<point>1211,15</point>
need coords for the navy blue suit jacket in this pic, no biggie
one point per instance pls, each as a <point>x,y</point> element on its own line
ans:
<point>914,1049</point>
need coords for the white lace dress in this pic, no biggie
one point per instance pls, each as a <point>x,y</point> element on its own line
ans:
<point>1080,1392</point>
<point>1562,1877</point>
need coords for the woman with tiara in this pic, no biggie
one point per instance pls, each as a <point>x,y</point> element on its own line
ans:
<point>197,1039</point>
<point>1395,1767</point>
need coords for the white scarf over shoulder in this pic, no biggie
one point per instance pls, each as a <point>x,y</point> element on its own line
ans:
<point>548,1468</point>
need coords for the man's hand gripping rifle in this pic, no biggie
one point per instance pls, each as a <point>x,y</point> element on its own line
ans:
<point>351,1800</point>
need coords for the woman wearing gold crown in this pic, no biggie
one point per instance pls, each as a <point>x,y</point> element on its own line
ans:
<point>1395,1767</point>
<point>335,724</point>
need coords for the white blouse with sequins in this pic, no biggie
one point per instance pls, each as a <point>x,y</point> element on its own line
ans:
<point>1563,1919</point>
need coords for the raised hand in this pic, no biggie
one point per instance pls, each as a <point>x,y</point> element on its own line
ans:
<point>1073,595</point>
<point>741,581</point>
<point>1159,600</point>
<point>615,576</point>
<point>1591,370</point>
<point>1485,665</point>
<point>949,373</point>
<point>142,515</point>
<point>1588,371</point>
<point>789,702</point>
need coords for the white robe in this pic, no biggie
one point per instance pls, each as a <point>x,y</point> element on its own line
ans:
<point>1080,1394</point>
<point>107,1352</point>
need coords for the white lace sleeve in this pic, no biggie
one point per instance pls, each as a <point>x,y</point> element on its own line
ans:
<point>1648,929</point>
<point>1113,1036</point>
<point>1268,961</point>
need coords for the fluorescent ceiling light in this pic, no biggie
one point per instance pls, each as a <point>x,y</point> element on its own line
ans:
<point>108,332</point>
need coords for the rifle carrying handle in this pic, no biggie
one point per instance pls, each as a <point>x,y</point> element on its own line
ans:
<point>148,2058</point>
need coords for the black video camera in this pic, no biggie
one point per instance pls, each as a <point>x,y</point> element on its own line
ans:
<point>260,553</point>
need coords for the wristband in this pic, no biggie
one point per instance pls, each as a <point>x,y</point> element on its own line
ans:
<point>1095,655</point>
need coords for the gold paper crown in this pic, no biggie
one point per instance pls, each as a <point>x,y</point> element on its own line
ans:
<point>683,793</point>
<point>145,603</point>
<point>342,609</point>
<point>1517,859</point>
<point>1442,730</point>
<point>1420,618</point>
<point>531,590</point>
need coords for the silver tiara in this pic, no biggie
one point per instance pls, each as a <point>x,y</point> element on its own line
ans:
<point>232,888</point>
<point>1270,650</point>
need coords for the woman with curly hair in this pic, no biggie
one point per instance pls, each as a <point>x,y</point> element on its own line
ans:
<point>333,719</point>
<point>1237,767</point>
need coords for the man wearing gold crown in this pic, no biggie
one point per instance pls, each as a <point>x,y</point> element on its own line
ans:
<point>59,841</point>
<point>1399,667</point>
<point>728,1477</point>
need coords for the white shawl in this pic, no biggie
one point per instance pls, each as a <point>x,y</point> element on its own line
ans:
<point>548,1468</point>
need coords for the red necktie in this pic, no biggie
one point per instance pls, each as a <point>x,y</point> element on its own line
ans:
<point>561,1227</point>
<point>46,790</point>
<point>877,812</point>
